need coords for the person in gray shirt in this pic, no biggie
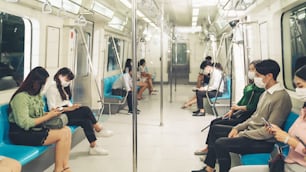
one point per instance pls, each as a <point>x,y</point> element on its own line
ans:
<point>251,136</point>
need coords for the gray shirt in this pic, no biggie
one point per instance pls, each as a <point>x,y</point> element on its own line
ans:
<point>274,105</point>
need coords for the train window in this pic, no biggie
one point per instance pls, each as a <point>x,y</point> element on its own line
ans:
<point>294,41</point>
<point>12,37</point>
<point>113,45</point>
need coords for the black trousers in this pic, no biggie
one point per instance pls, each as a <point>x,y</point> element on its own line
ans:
<point>120,92</point>
<point>230,122</point>
<point>220,146</point>
<point>201,94</point>
<point>83,117</point>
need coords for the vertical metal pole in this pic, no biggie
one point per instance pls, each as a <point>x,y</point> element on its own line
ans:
<point>161,63</point>
<point>175,65</point>
<point>171,71</point>
<point>134,54</point>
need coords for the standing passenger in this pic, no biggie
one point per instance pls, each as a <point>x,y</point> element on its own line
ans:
<point>26,114</point>
<point>59,95</point>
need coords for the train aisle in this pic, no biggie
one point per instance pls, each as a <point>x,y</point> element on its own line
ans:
<point>160,149</point>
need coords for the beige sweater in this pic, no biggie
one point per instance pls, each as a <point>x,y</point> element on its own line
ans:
<point>273,107</point>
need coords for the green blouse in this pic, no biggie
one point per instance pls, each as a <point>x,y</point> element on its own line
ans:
<point>25,108</point>
<point>253,92</point>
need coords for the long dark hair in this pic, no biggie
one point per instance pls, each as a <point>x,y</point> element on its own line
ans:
<point>66,72</point>
<point>33,83</point>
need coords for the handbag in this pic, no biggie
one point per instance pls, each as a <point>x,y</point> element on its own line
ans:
<point>57,122</point>
<point>277,162</point>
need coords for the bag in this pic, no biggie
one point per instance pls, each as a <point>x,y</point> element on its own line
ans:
<point>57,122</point>
<point>277,162</point>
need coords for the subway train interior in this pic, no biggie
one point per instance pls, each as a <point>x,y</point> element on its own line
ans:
<point>94,39</point>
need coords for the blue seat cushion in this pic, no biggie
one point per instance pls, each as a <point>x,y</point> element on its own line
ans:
<point>23,154</point>
<point>226,94</point>
<point>255,159</point>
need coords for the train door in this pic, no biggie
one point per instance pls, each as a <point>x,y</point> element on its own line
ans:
<point>180,63</point>
<point>82,82</point>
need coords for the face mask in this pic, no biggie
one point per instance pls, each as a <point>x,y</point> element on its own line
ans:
<point>64,83</point>
<point>301,93</point>
<point>251,75</point>
<point>259,83</point>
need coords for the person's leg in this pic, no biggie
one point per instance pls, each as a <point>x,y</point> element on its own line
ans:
<point>130,101</point>
<point>217,132</point>
<point>239,145</point>
<point>62,140</point>
<point>9,165</point>
<point>143,87</point>
<point>200,95</point>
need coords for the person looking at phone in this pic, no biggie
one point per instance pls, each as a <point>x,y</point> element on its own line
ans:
<point>251,136</point>
<point>295,138</point>
<point>58,97</point>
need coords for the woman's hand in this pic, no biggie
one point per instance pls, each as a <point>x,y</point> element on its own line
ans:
<point>278,133</point>
<point>228,115</point>
<point>55,112</point>
<point>233,133</point>
<point>72,108</point>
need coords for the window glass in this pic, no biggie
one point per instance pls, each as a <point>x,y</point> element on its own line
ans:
<point>112,63</point>
<point>294,41</point>
<point>12,33</point>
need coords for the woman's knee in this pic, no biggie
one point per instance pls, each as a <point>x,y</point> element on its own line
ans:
<point>11,164</point>
<point>220,143</point>
<point>65,132</point>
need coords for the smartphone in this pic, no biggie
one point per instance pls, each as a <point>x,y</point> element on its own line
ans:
<point>60,108</point>
<point>301,141</point>
<point>266,122</point>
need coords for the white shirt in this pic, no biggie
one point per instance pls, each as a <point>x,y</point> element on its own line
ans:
<point>54,99</point>
<point>128,81</point>
<point>215,79</point>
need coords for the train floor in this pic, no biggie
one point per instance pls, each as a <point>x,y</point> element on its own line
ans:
<point>167,148</point>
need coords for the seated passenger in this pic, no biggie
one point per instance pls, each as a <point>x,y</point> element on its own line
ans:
<point>212,89</point>
<point>9,165</point>
<point>245,107</point>
<point>124,85</point>
<point>145,76</point>
<point>295,161</point>
<point>59,95</point>
<point>202,80</point>
<point>251,136</point>
<point>26,114</point>
<point>141,84</point>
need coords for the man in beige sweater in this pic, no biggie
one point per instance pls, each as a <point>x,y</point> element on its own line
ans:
<point>251,136</point>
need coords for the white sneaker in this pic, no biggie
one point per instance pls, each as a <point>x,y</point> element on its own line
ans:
<point>97,151</point>
<point>104,133</point>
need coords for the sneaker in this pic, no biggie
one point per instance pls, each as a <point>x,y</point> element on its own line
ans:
<point>97,151</point>
<point>201,152</point>
<point>104,133</point>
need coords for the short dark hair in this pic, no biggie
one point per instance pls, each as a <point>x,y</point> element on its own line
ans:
<point>301,72</point>
<point>268,66</point>
<point>142,61</point>
<point>208,58</point>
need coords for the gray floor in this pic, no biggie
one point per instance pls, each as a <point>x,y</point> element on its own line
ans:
<point>167,148</point>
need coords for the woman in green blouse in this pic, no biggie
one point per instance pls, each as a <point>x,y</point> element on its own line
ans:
<point>244,108</point>
<point>26,116</point>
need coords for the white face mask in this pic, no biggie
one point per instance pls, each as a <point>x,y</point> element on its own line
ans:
<point>259,83</point>
<point>251,75</point>
<point>301,93</point>
<point>64,83</point>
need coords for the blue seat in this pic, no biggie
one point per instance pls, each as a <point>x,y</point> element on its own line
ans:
<point>108,83</point>
<point>263,158</point>
<point>23,154</point>
<point>227,91</point>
